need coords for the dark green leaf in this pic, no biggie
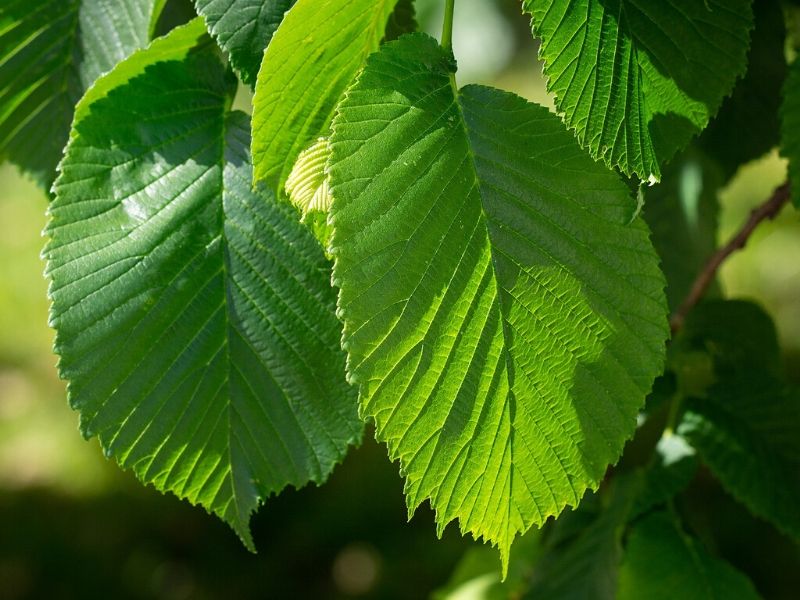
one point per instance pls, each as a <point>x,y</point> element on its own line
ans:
<point>662,562</point>
<point>790,128</point>
<point>682,213</point>
<point>748,124</point>
<point>51,51</point>
<point>244,28</point>
<point>194,316</point>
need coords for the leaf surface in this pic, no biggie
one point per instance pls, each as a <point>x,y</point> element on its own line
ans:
<point>244,29</point>
<point>194,316</point>
<point>662,562</point>
<point>636,79</point>
<point>313,57</point>
<point>504,319</point>
<point>51,51</point>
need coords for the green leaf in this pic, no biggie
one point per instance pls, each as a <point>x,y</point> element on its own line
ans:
<point>748,432</point>
<point>585,565</point>
<point>51,51</point>
<point>790,128</point>
<point>746,427</point>
<point>661,561</point>
<point>244,28</point>
<point>682,212</point>
<point>748,124</point>
<point>504,319</point>
<point>313,57</point>
<point>194,316</point>
<point>636,79</point>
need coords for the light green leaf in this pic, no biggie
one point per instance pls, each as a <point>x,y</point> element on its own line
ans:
<point>636,79</point>
<point>502,319</point>
<point>244,28</point>
<point>313,57</point>
<point>194,316</point>
<point>662,562</point>
<point>51,51</point>
<point>790,128</point>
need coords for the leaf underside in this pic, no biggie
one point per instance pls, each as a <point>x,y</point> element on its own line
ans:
<point>194,316</point>
<point>637,79</point>
<point>51,51</point>
<point>503,319</point>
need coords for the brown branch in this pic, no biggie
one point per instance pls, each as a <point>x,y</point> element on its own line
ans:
<point>768,210</point>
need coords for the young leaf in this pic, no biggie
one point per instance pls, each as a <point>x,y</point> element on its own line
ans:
<point>244,28</point>
<point>308,188</point>
<point>194,316</point>
<point>790,128</point>
<point>636,79</point>
<point>662,562</point>
<point>503,319</point>
<point>313,57</point>
<point>51,51</point>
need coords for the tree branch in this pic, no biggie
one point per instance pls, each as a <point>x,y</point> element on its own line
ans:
<point>768,210</point>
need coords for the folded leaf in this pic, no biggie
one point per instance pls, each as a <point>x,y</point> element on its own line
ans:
<point>194,315</point>
<point>661,561</point>
<point>636,79</point>
<point>504,318</point>
<point>244,28</point>
<point>313,57</point>
<point>51,51</point>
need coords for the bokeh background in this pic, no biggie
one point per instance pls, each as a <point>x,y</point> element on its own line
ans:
<point>72,525</point>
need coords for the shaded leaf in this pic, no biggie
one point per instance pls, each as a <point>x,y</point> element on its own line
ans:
<point>194,317</point>
<point>661,561</point>
<point>244,28</point>
<point>682,212</point>
<point>51,51</point>
<point>503,318</point>
<point>748,124</point>
<point>746,426</point>
<point>790,128</point>
<point>636,79</point>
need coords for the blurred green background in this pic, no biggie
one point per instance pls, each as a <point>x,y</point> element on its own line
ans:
<point>72,525</point>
